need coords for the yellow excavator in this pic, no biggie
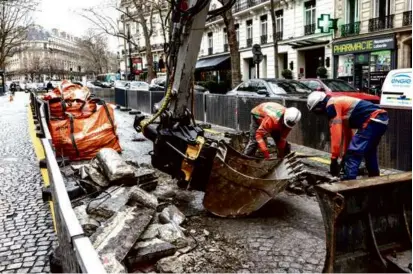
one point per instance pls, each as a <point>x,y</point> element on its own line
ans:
<point>367,222</point>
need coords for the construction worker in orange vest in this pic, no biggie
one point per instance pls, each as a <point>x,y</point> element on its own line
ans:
<point>346,113</point>
<point>275,120</point>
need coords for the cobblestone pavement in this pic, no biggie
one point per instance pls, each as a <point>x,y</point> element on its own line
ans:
<point>26,228</point>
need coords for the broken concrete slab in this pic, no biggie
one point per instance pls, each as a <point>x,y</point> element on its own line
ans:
<point>119,234</point>
<point>173,264</point>
<point>114,167</point>
<point>111,264</point>
<point>171,214</point>
<point>171,233</point>
<point>89,225</point>
<point>89,186</point>
<point>109,202</point>
<point>96,175</point>
<point>149,185</point>
<point>140,197</point>
<point>150,250</point>
<point>152,231</point>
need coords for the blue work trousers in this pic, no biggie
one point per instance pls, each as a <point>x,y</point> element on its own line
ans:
<point>364,145</point>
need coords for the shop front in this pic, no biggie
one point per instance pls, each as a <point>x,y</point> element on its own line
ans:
<point>365,62</point>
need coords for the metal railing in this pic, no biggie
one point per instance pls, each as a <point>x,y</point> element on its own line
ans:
<point>225,47</point>
<point>350,29</point>
<point>407,18</point>
<point>210,51</point>
<point>78,254</point>
<point>309,29</point>
<point>279,35</point>
<point>249,42</point>
<point>264,39</point>
<point>246,4</point>
<point>381,23</point>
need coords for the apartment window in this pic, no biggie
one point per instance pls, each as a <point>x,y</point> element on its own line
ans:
<point>225,36</point>
<point>237,31</point>
<point>210,42</point>
<point>264,27</point>
<point>381,8</point>
<point>279,20</point>
<point>249,29</point>
<point>352,11</point>
<point>310,12</point>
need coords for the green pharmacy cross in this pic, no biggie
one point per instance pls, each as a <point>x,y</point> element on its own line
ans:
<point>325,23</point>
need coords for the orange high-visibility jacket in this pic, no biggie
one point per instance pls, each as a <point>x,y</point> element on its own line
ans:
<point>268,116</point>
<point>347,113</point>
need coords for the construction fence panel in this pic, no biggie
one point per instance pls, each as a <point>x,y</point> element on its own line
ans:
<point>120,97</point>
<point>144,101</point>
<point>132,98</point>
<point>199,107</point>
<point>221,110</point>
<point>156,97</point>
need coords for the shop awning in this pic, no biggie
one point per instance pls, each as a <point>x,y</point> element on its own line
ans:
<point>213,63</point>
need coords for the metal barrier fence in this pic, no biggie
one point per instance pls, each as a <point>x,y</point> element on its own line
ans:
<point>77,252</point>
<point>312,131</point>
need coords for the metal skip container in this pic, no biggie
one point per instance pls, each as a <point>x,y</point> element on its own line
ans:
<point>368,224</point>
<point>239,184</point>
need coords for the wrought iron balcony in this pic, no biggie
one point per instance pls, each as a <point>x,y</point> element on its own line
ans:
<point>350,29</point>
<point>309,29</point>
<point>225,47</point>
<point>381,23</point>
<point>263,39</point>
<point>407,18</point>
<point>210,51</point>
<point>279,35</point>
<point>249,42</point>
<point>245,4</point>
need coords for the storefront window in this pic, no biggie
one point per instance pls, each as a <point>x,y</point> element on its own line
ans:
<point>345,67</point>
<point>380,61</point>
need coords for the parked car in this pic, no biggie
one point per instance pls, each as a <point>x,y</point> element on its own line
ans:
<point>277,88</point>
<point>120,83</point>
<point>137,85</point>
<point>31,87</point>
<point>337,87</point>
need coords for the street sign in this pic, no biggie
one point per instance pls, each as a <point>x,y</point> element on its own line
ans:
<point>256,49</point>
<point>257,58</point>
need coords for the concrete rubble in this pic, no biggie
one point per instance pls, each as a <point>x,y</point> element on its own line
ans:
<point>89,225</point>
<point>109,202</point>
<point>114,167</point>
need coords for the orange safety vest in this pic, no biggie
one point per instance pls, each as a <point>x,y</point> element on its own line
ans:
<point>268,115</point>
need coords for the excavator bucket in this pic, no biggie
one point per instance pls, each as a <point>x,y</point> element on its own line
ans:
<point>239,184</point>
<point>368,224</point>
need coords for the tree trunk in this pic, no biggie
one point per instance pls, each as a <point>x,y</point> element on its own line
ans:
<point>274,35</point>
<point>233,48</point>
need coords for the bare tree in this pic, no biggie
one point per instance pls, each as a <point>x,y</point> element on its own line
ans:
<point>15,20</point>
<point>274,36</point>
<point>232,44</point>
<point>93,48</point>
<point>132,12</point>
<point>33,66</point>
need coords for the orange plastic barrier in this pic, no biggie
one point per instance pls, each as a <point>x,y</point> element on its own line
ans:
<point>82,138</point>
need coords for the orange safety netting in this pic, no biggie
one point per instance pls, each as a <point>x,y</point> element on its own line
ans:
<point>83,137</point>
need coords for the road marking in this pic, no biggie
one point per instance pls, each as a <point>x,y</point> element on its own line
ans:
<point>38,148</point>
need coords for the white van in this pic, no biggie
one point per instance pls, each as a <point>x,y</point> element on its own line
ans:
<point>397,88</point>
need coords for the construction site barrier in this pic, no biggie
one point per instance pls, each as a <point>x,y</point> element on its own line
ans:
<point>75,249</point>
<point>312,131</point>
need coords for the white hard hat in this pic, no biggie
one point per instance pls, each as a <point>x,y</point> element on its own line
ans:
<point>291,117</point>
<point>314,98</point>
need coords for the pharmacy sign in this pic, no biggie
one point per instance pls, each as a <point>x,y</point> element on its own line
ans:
<point>325,23</point>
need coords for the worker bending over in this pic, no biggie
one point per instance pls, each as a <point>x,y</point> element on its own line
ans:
<point>275,120</point>
<point>347,113</point>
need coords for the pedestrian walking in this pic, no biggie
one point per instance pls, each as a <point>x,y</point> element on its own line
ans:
<point>274,120</point>
<point>345,114</point>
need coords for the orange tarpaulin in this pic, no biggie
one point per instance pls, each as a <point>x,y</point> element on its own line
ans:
<point>81,138</point>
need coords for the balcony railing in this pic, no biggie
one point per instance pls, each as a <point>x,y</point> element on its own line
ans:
<point>225,47</point>
<point>309,29</point>
<point>210,51</point>
<point>249,42</point>
<point>263,39</point>
<point>279,35</point>
<point>407,18</point>
<point>245,4</point>
<point>350,29</point>
<point>381,23</point>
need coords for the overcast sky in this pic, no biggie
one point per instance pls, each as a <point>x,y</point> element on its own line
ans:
<point>64,15</point>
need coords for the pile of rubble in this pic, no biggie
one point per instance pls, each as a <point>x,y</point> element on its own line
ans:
<point>120,213</point>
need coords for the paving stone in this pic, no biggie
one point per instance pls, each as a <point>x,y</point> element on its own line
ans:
<point>24,270</point>
<point>36,269</point>
<point>42,252</point>
<point>14,266</point>
<point>30,259</point>
<point>29,264</point>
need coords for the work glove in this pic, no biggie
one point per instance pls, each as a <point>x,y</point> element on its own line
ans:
<point>334,168</point>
